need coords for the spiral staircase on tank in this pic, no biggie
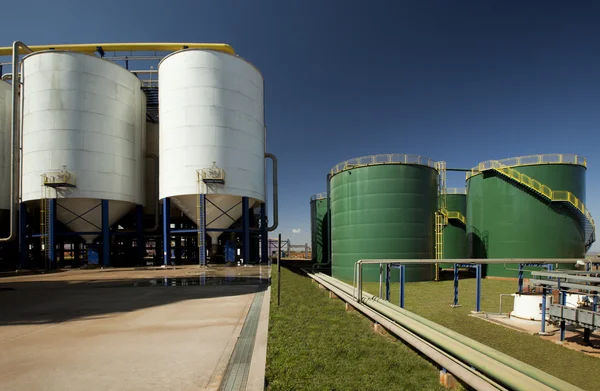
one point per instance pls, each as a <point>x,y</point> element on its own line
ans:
<point>562,197</point>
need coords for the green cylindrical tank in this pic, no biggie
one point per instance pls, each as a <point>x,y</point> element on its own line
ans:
<point>382,207</point>
<point>319,228</point>
<point>455,233</point>
<point>507,220</point>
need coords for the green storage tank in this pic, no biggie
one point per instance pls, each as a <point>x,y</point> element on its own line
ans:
<point>319,228</point>
<point>383,207</point>
<point>506,218</point>
<point>455,233</point>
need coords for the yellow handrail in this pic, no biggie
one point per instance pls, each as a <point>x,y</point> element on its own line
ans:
<point>530,160</point>
<point>454,215</point>
<point>540,188</point>
<point>127,47</point>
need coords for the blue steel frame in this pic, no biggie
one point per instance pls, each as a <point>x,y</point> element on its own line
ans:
<point>246,230</point>
<point>22,235</point>
<point>105,235</point>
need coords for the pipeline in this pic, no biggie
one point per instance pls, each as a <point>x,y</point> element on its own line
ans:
<point>14,138</point>
<point>125,47</point>
<point>515,374</point>
<point>275,193</point>
<point>467,374</point>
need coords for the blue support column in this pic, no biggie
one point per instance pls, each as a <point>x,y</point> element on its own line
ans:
<point>387,281</point>
<point>246,230</point>
<point>166,230</point>
<point>478,288</point>
<point>563,324</point>
<point>23,250</point>
<point>139,231</point>
<point>51,234</point>
<point>520,278</point>
<point>105,235</point>
<point>202,230</point>
<point>265,234</point>
<point>402,283</point>
<point>455,301</point>
<point>543,328</point>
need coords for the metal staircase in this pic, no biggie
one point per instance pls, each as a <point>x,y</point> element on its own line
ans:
<point>566,198</point>
<point>440,219</point>
<point>201,221</point>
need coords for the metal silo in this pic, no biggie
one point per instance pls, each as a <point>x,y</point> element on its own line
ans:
<point>383,206</point>
<point>319,228</point>
<point>83,140</point>
<point>528,207</point>
<point>212,137</point>
<point>5,129</point>
<point>454,232</point>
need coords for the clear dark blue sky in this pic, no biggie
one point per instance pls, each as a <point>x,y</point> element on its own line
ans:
<point>461,81</point>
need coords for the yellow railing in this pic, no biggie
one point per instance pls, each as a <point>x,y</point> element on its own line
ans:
<point>319,196</point>
<point>454,215</point>
<point>456,190</point>
<point>530,160</point>
<point>540,188</point>
<point>374,160</point>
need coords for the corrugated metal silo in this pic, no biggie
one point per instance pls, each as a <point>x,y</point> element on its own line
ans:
<point>319,228</point>
<point>519,208</point>
<point>211,114</point>
<point>383,206</point>
<point>84,115</point>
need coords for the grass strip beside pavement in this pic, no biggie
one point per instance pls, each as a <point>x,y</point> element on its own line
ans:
<point>314,344</point>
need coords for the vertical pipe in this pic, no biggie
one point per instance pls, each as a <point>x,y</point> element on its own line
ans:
<point>595,304</point>
<point>402,284</point>
<point>387,281</point>
<point>105,235</point>
<point>23,251</point>
<point>520,278</point>
<point>246,230</point>
<point>478,288</point>
<point>381,281</point>
<point>455,301</point>
<point>279,270</point>
<point>167,231</point>
<point>563,324</point>
<point>265,234</point>
<point>543,327</point>
<point>139,230</point>
<point>51,234</point>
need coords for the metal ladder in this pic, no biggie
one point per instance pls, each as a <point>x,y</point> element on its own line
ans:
<point>45,224</point>
<point>201,221</point>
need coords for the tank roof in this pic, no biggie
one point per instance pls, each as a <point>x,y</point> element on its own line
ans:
<point>530,160</point>
<point>319,196</point>
<point>382,159</point>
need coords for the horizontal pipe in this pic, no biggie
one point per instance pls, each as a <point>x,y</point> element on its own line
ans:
<point>127,47</point>
<point>472,378</point>
<point>460,169</point>
<point>507,369</point>
<point>470,261</point>
<point>527,369</point>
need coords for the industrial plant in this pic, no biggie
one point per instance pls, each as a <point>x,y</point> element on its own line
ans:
<point>105,165</point>
<point>397,206</point>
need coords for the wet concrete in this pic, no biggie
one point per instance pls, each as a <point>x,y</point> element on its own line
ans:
<point>123,329</point>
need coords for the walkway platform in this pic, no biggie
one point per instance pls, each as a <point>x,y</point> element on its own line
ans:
<point>182,328</point>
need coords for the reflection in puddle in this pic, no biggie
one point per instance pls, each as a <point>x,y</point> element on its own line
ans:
<point>201,280</point>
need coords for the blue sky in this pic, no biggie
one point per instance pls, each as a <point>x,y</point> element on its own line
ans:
<point>461,81</point>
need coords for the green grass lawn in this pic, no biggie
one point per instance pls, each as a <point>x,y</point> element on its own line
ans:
<point>314,344</point>
<point>432,300</point>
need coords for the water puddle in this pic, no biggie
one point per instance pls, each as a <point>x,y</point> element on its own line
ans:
<point>200,281</point>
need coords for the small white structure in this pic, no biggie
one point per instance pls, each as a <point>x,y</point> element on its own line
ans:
<point>528,306</point>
